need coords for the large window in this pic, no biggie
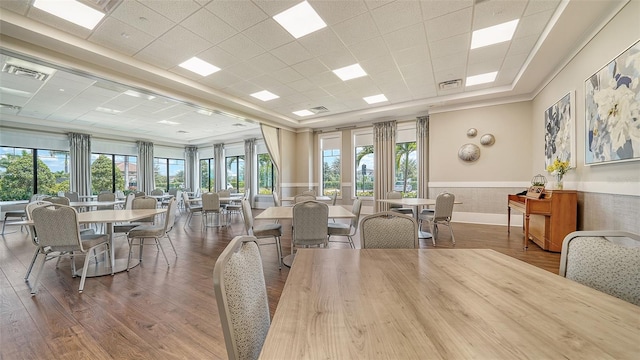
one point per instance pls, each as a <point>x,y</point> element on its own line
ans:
<point>330,173</point>
<point>266,174</point>
<point>24,172</point>
<point>110,172</point>
<point>363,161</point>
<point>168,173</point>
<point>207,174</point>
<point>406,169</point>
<point>234,173</point>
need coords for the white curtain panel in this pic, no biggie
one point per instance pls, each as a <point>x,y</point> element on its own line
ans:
<point>146,181</point>
<point>384,143</point>
<point>250,168</point>
<point>422,139</point>
<point>80,158</point>
<point>191,163</point>
<point>271,138</point>
<point>218,156</point>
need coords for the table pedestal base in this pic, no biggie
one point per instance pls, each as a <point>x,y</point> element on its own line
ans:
<point>102,268</point>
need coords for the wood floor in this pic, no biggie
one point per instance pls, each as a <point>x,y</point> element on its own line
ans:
<point>155,312</point>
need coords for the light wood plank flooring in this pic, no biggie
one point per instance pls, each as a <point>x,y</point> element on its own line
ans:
<point>155,312</point>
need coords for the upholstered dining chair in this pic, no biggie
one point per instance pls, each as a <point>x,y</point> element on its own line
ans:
<point>211,206</point>
<point>32,231</point>
<point>310,219</point>
<point>141,202</point>
<point>72,196</point>
<point>303,197</point>
<point>157,192</point>
<point>398,208</point>
<point>606,260</point>
<point>58,233</point>
<point>191,208</point>
<point>128,201</point>
<point>241,295</point>
<point>153,231</point>
<point>389,230</point>
<point>441,215</point>
<point>309,192</point>
<point>140,193</point>
<point>268,230</point>
<point>347,230</point>
<point>60,200</point>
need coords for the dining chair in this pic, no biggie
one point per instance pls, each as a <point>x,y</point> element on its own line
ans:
<point>32,231</point>
<point>190,208</point>
<point>141,202</point>
<point>348,230</point>
<point>262,231</point>
<point>72,195</point>
<point>120,195</point>
<point>153,231</point>
<point>140,193</point>
<point>309,192</point>
<point>157,192</point>
<point>389,230</point>
<point>232,207</point>
<point>211,206</point>
<point>14,214</point>
<point>241,295</point>
<point>310,219</point>
<point>60,200</point>
<point>606,260</point>
<point>303,197</point>
<point>398,208</point>
<point>441,215</point>
<point>58,234</point>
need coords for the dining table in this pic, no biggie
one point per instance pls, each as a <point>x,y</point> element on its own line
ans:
<point>442,304</point>
<point>318,198</point>
<point>416,203</point>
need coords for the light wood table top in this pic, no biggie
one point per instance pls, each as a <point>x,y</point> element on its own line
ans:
<point>78,204</point>
<point>449,303</point>
<point>286,212</point>
<point>318,198</point>
<point>112,216</point>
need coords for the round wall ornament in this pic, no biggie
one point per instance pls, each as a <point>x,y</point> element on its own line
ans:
<point>472,132</point>
<point>469,152</point>
<point>487,140</point>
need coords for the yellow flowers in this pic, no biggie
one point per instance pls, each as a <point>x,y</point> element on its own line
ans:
<point>559,167</point>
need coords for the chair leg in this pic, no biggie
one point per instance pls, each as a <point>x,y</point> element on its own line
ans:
<point>351,241</point>
<point>279,251</point>
<point>130,252</point>
<point>34,289</point>
<point>173,247</point>
<point>453,239</point>
<point>33,261</point>
<point>161,249</point>
<point>433,233</point>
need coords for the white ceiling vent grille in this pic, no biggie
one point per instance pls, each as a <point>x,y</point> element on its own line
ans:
<point>24,72</point>
<point>451,84</point>
<point>319,109</point>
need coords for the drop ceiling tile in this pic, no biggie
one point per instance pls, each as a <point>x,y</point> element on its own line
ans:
<point>363,86</point>
<point>218,57</point>
<point>142,18</point>
<point>489,13</point>
<point>316,94</point>
<point>396,15</point>
<point>494,52</point>
<point>321,42</point>
<point>379,64</point>
<point>176,10</point>
<point>411,55</point>
<point>418,71</point>
<point>241,47</point>
<point>269,34</point>
<point>338,59</point>
<point>514,61</point>
<point>333,12</point>
<point>325,78</point>
<point>173,48</point>
<point>369,49</point>
<point>337,89</point>
<point>449,25</point>
<point>267,63</point>
<point>533,24</point>
<point>310,67</point>
<point>271,7</point>
<point>538,6</point>
<point>208,26</point>
<point>244,88</point>
<point>506,76</point>
<point>434,9</point>
<point>484,67</point>
<point>291,53</point>
<point>244,70</point>
<point>392,76</point>
<point>288,75</point>
<point>302,85</point>
<point>239,14</point>
<point>119,36</point>
<point>406,37</point>
<point>453,45</point>
<point>452,73</point>
<point>356,30</point>
<point>449,62</point>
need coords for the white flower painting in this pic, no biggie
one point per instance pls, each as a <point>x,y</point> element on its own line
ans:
<point>613,110</point>
<point>559,142</point>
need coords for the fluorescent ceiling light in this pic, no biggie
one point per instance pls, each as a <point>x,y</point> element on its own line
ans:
<point>493,34</point>
<point>300,20</point>
<point>107,110</point>
<point>139,95</point>
<point>375,99</point>
<point>167,122</point>
<point>481,79</point>
<point>204,112</point>
<point>350,72</point>
<point>71,10</point>
<point>264,95</point>
<point>303,112</point>
<point>199,66</point>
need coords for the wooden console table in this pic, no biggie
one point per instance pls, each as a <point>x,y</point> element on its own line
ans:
<point>547,220</point>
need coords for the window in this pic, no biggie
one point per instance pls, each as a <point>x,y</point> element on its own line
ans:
<point>234,173</point>
<point>363,160</point>
<point>266,174</point>
<point>111,173</point>
<point>168,173</point>
<point>20,178</point>
<point>330,150</point>
<point>207,174</point>
<point>406,166</point>
<point>127,166</point>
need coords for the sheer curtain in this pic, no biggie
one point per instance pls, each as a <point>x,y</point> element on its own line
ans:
<point>218,158</point>
<point>250,168</point>
<point>384,143</point>
<point>80,158</point>
<point>146,181</point>
<point>422,139</point>
<point>191,167</point>
<point>271,138</point>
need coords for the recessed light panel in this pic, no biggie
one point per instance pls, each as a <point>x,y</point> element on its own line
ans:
<point>265,95</point>
<point>168,122</point>
<point>350,72</point>
<point>71,10</point>
<point>481,78</point>
<point>300,20</point>
<point>199,66</point>
<point>303,112</point>
<point>375,99</point>
<point>139,95</point>
<point>494,34</point>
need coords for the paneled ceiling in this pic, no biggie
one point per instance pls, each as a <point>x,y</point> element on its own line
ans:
<point>123,78</point>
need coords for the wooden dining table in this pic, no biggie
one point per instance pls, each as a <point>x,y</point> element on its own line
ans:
<point>417,203</point>
<point>442,304</point>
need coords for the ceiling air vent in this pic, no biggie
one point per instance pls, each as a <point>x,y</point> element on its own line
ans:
<point>319,109</point>
<point>24,72</point>
<point>451,84</point>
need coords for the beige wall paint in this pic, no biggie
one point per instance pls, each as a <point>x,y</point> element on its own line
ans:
<point>508,159</point>
<point>613,39</point>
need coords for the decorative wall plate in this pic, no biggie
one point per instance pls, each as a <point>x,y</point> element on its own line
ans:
<point>469,152</point>
<point>487,140</point>
<point>472,132</point>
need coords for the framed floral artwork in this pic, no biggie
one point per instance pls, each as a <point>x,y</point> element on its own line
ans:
<point>612,114</point>
<point>559,142</point>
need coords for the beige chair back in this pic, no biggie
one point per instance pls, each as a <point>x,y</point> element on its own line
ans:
<point>210,202</point>
<point>303,197</point>
<point>140,193</point>
<point>128,201</point>
<point>145,202</point>
<point>608,261</point>
<point>394,195</point>
<point>444,207</point>
<point>276,199</point>
<point>241,295</point>
<point>247,214</point>
<point>157,192</point>
<point>72,195</point>
<point>60,200</point>
<point>389,230</point>
<point>309,192</point>
<point>57,227</point>
<point>106,197</point>
<point>29,211</point>
<point>224,194</point>
<point>310,223</point>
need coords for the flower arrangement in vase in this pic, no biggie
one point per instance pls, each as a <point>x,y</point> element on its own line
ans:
<point>559,168</point>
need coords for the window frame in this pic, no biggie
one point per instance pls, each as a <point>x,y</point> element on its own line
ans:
<point>334,137</point>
